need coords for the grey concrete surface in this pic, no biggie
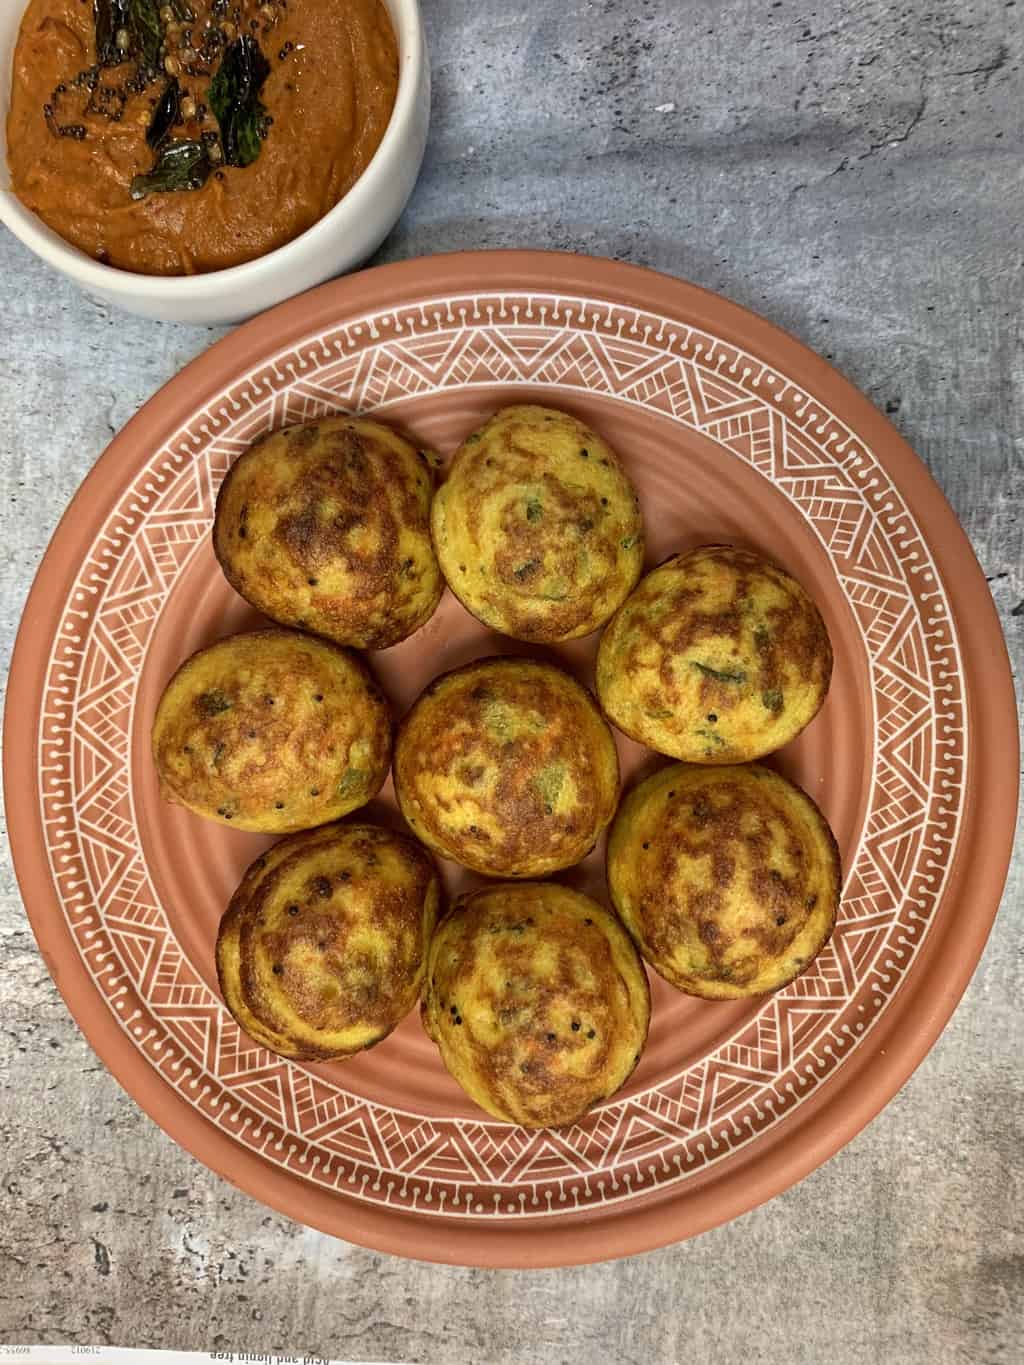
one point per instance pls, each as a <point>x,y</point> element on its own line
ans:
<point>852,169</point>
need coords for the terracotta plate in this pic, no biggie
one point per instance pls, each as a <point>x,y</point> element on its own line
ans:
<point>732,431</point>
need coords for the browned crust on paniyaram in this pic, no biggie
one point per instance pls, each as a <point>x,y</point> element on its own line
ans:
<point>718,656</point>
<point>537,528</point>
<point>507,766</point>
<point>272,731</point>
<point>728,878</point>
<point>537,1000</point>
<point>327,527</point>
<point>322,949</point>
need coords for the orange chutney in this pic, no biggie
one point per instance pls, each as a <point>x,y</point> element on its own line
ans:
<point>84,98</point>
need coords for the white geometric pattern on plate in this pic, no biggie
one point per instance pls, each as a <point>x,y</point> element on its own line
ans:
<point>317,1129</point>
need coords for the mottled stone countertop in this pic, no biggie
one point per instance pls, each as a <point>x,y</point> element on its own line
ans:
<point>851,169</point>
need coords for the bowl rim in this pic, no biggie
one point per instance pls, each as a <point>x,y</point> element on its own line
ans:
<point>407,22</point>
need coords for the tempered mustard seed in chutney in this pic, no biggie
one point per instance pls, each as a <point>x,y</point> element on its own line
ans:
<point>178,138</point>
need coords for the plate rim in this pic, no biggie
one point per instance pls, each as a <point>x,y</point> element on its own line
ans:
<point>838,1116</point>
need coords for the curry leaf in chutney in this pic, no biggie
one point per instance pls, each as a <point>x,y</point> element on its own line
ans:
<point>145,31</point>
<point>180,166</point>
<point>166,114</point>
<point>139,20</point>
<point>109,18</point>
<point>234,99</point>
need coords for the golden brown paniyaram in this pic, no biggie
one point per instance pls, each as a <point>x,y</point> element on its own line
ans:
<point>728,878</point>
<point>508,767</point>
<point>326,527</point>
<point>719,656</point>
<point>537,527</point>
<point>322,949</point>
<point>537,1000</point>
<point>272,731</point>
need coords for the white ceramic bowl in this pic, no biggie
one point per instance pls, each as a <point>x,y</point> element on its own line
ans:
<point>342,239</point>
